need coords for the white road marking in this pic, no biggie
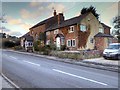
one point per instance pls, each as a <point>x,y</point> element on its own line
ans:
<point>13,57</point>
<point>79,77</point>
<point>32,63</point>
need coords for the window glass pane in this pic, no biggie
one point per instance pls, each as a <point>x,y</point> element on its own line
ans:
<point>83,28</point>
<point>68,42</point>
<point>73,43</point>
<point>101,30</point>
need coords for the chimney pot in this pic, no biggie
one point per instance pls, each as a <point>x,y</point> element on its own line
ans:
<point>55,13</point>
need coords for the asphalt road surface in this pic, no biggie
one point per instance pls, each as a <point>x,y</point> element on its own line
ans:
<point>34,72</point>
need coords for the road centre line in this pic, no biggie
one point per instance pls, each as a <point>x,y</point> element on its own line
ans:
<point>80,77</point>
<point>31,63</point>
<point>13,57</point>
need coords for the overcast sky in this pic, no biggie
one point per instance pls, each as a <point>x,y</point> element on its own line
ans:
<point>21,16</point>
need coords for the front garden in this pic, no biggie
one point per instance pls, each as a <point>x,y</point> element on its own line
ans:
<point>51,50</point>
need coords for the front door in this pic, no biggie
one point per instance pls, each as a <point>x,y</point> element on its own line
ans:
<point>58,43</point>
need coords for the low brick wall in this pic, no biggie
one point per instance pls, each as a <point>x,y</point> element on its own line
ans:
<point>78,55</point>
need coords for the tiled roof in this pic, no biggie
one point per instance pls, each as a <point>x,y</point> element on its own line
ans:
<point>59,35</point>
<point>44,21</point>
<point>27,37</point>
<point>103,35</point>
<point>68,22</point>
<point>104,25</point>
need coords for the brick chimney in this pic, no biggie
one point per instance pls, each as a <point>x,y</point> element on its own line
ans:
<point>60,18</point>
<point>54,13</point>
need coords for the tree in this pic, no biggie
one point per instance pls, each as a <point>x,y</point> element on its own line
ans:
<point>116,30</point>
<point>90,9</point>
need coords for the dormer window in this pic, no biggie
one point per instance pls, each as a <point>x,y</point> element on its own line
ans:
<point>48,33</point>
<point>101,30</point>
<point>56,31</point>
<point>83,28</point>
<point>71,29</point>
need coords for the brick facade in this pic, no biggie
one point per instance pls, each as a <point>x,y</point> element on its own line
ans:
<point>82,39</point>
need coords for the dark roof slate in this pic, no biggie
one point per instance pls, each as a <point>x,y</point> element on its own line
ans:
<point>27,37</point>
<point>59,35</point>
<point>44,21</point>
<point>104,25</point>
<point>68,22</point>
<point>103,35</point>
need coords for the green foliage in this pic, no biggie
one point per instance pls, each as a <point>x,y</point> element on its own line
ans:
<point>116,30</point>
<point>63,47</point>
<point>18,48</point>
<point>8,44</point>
<point>90,9</point>
<point>35,45</point>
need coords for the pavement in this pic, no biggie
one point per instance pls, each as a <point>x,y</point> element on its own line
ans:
<point>4,83</point>
<point>31,71</point>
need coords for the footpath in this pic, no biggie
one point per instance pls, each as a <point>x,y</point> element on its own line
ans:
<point>4,83</point>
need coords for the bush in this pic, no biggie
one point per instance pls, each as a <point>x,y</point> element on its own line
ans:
<point>63,47</point>
<point>35,45</point>
<point>8,44</point>
<point>18,48</point>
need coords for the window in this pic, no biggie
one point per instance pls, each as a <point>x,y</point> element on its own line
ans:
<point>62,41</point>
<point>83,28</point>
<point>101,30</point>
<point>91,40</point>
<point>47,33</point>
<point>48,42</point>
<point>71,43</point>
<point>36,37</point>
<point>71,29</point>
<point>56,31</point>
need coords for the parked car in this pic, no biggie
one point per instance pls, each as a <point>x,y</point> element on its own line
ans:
<point>112,52</point>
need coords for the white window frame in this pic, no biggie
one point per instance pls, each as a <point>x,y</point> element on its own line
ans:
<point>71,29</point>
<point>48,42</point>
<point>101,30</point>
<point>47,33</point>
<point>72,43</point>
<point>56,31</point>
<point>67,43</point>
<point>92,40</point>
<point>82,28</point>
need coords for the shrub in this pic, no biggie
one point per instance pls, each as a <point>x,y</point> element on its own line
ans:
<point>63,47</point>
<point>8,44</point>
<point>35,45</point>
<point>18,48</point>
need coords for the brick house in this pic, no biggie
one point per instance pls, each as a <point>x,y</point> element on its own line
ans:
<point>76,33</point>
<point>27,42</point>
<point>43,25</point>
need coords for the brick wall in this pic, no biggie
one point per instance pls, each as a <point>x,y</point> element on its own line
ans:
<point>106,30</point>
<point>36,31</point>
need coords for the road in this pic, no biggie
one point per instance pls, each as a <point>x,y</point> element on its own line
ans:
<point>34,72</point>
